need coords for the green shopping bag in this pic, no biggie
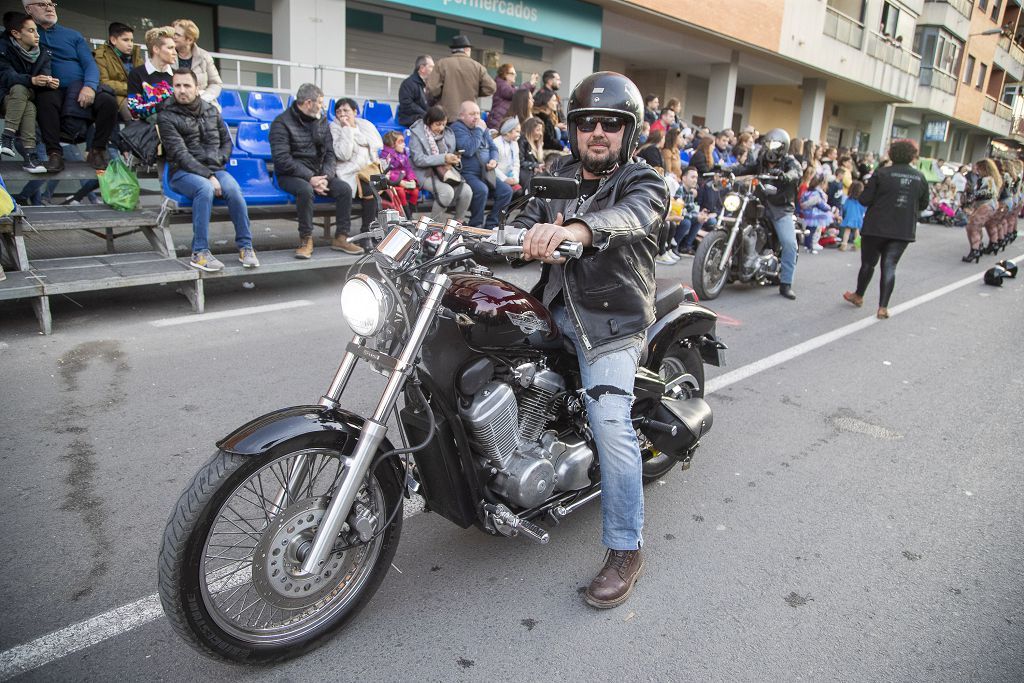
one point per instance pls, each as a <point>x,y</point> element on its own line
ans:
<point>119,187</point>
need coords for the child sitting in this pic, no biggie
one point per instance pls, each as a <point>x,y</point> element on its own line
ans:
<point>400,172</point>
<point>816,212</point>
<point>24,69</point>
<point>853,216</point>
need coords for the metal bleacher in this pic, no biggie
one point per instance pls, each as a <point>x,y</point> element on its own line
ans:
<point>37,279</point>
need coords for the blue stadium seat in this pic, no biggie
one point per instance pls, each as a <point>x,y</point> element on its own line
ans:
<point>231,109</point>
<point>264,106</point>
<point>380,115</point>
<point>253,138</point>
<point>483,116</point>
<point>258,187</point>
<point>330,111</point>
<point>252,176</point>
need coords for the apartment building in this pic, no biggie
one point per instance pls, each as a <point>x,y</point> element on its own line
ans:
<point>850,72</point>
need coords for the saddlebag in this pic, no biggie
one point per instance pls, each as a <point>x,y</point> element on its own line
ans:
<point>690,419</point>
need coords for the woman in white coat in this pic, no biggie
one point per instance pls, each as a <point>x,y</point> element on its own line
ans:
<point>191,56</point>
<point>357,144</point>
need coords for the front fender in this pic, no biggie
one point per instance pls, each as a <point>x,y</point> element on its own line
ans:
<point>687,321</point>
<point>331,427</point>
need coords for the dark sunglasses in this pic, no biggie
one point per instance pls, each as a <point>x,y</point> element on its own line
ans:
<point>609,124</point>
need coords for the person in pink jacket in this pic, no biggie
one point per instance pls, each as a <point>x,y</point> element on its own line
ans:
<point>501,102</point>
<point>400,171</point>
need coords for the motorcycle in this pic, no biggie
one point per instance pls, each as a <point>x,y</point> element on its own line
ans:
<point>744,246</point>
<point>285,534</point>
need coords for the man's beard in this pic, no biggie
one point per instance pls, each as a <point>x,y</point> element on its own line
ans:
<point>599,166</point>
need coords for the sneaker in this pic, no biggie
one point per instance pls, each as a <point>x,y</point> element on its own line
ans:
<point>7,145</point>
<point>3,275</point>
<point>664,259</point>
<point>204,260</point>
<point>674,256</point>
<point>33,165</point>
<point>55,162</point>
<point>247,257</point>
<point>341,243</point>
<point>305,249</point>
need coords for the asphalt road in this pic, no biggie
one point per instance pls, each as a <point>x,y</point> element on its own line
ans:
<point>855,514</point>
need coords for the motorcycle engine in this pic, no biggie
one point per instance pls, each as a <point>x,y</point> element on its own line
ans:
<point>507,427</point>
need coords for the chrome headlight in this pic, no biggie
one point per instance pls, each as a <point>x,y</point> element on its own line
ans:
<point>366,305</point>
<point>732,202</point>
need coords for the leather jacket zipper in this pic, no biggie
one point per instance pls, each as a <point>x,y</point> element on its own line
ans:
<point>580,332</point>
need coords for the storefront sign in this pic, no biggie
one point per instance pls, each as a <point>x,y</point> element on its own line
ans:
<point>935,131</point>
<point>568,20</point>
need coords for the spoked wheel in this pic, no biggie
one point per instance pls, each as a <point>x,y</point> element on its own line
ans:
<point>678,361</point>
<point>709,274</point>
<point>230,577</point>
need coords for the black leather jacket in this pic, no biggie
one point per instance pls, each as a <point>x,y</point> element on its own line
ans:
<point>609,292</point>
<point>788,172</point>
<point>194,142</point>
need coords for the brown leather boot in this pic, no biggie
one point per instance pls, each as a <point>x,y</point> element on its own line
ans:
<point>97,158</point>
<point>612,586</point>
<point>341,243</point>
<point>305,249</point>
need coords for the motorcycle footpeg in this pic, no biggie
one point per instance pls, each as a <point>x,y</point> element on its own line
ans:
<point>501,515</point>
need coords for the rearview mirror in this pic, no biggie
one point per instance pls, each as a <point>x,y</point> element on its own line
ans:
<point>550,187</point>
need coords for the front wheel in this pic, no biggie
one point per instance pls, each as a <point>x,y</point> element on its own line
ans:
<point>709,273</point>
<point>678,361</point>
<point>229,563</point>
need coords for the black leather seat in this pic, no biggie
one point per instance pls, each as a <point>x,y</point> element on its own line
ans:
<point>666,299</point>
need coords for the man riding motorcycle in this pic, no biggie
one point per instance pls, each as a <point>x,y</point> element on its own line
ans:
<point>774,160</point>
<point>604,302</point>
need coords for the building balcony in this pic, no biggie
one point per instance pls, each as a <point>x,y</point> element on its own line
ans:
<point>883,49</point>
<point>953,15</point>
<point>1010,56</point>
<point>843,28</point>
<point>937,93</point>
<point>995,117</point>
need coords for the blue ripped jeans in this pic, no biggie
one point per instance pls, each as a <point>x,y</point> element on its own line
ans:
<point>610,378</point>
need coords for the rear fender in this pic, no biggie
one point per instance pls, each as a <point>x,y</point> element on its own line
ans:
<point>688,321</point>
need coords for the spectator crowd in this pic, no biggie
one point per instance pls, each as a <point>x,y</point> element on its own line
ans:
<point>55,91</point>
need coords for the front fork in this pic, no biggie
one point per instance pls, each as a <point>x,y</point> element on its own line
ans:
<point>736,229</point>
<point>374,429</point>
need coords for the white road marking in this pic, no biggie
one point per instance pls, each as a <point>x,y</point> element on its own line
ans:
<point>233,313</point>
<point>759,366</point>
<point>94,631</point>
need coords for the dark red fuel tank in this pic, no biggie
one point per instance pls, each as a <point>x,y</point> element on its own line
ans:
<point>499,315</point>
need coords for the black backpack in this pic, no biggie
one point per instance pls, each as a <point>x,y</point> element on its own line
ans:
<point>141,140</point>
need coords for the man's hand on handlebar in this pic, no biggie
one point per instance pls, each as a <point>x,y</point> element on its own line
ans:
<point>542,240</point>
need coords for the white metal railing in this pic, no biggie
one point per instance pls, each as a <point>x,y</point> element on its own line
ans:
<point>932,77</point>
<point>964,7</point>
<point>383,85</point>
<point>889,52</point>
<point>843,28</point>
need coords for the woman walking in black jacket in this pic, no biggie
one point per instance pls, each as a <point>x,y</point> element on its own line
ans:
<point>895,197</point>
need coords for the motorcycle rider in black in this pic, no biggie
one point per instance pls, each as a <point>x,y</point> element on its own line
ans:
<point>780,205</point>
<point>604,301</point>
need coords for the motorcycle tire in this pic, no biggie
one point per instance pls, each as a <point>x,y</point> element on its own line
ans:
<point>677,361</point>
<point>189,595</point>
<point>708,282</point>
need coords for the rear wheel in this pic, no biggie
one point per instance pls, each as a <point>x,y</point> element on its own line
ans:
<point>678,361</point>
<point>709,273</point>
<point>229,574</point>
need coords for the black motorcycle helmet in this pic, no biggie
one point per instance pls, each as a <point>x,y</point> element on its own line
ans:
<point>994,276</point>
<point>607,92</point>
<point>1009,266</point>
<point>774,145</point>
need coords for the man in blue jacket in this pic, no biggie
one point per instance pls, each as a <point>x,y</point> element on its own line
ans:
<point>479,156</point>
<point>77,101</point>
